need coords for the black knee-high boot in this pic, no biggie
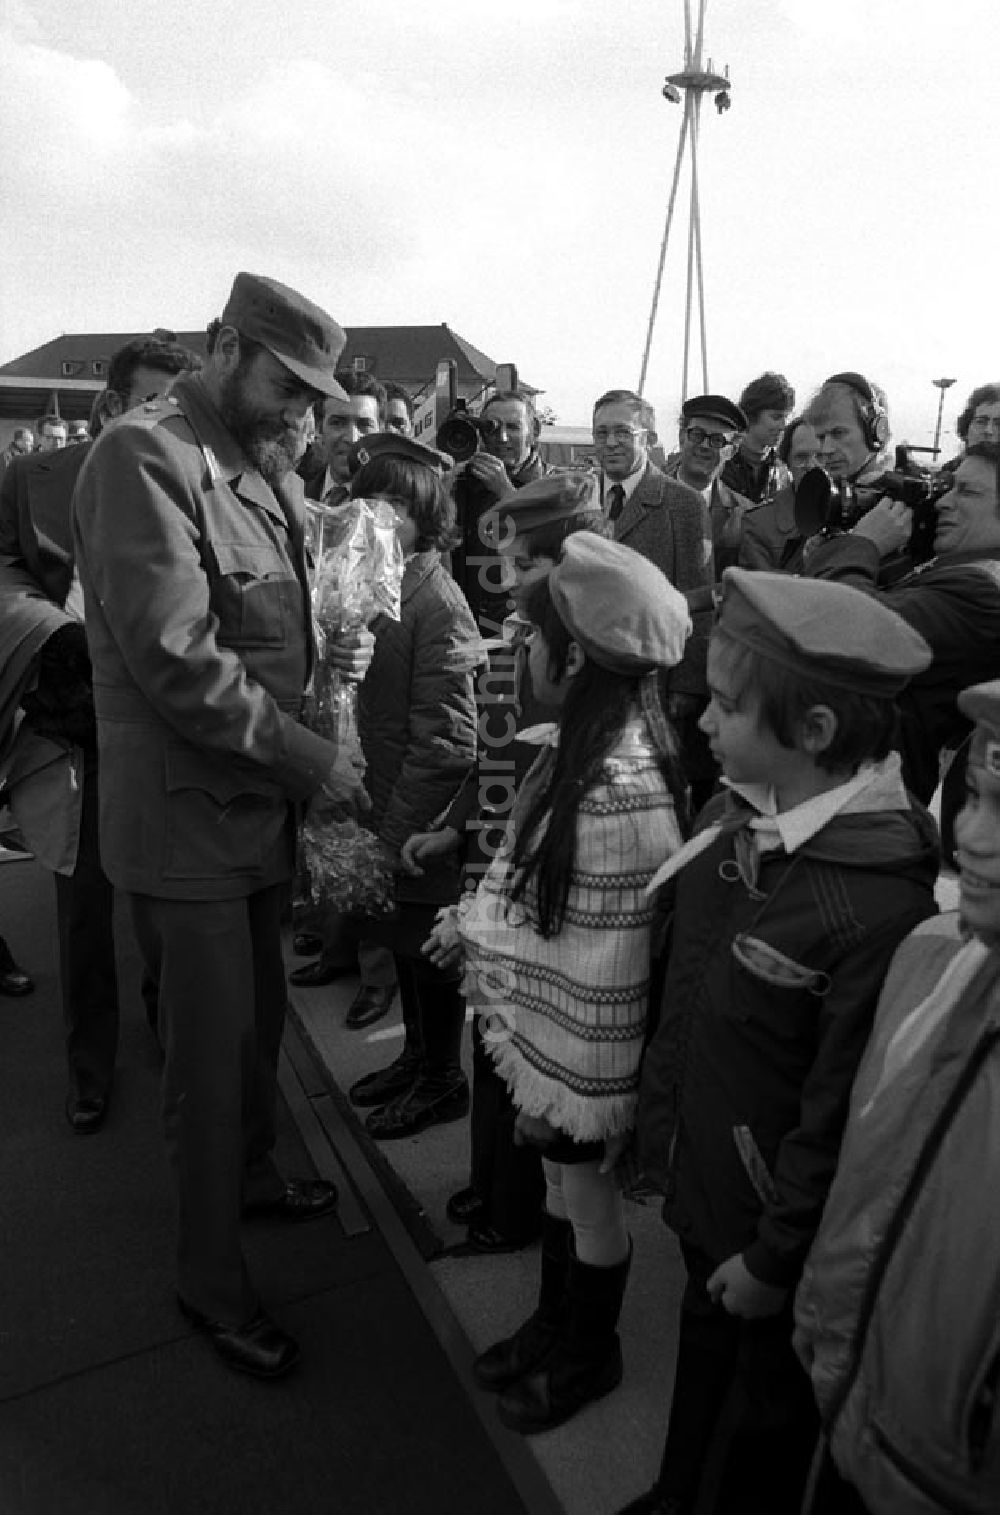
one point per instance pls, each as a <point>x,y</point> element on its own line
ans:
<point>440,1091</point>
<point>399,1076</point>
<point>508,1360</point>
<point>586,1361</point>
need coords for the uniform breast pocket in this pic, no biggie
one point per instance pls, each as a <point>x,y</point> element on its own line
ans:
<point>254,595</point>
<point>774,989</point>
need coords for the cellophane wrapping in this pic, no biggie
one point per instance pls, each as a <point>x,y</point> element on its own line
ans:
<point>357,575</point>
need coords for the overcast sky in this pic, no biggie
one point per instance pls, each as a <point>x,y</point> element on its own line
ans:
<point>505,168</point>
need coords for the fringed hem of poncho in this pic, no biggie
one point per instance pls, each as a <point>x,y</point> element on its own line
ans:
<point>591,1115</point>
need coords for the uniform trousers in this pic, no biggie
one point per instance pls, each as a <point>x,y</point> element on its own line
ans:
<point>88,976</point>
<point>222,1001</point>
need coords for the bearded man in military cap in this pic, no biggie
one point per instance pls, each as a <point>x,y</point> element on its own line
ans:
<point>189,531</point>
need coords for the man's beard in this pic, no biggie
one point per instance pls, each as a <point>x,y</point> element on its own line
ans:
<point>272,447</point>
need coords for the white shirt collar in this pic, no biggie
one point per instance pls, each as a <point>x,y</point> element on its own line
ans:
<point>875,786</point>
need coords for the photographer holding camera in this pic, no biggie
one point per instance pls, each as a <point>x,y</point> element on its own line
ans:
<point>953,600</point>
<point>496,454</point>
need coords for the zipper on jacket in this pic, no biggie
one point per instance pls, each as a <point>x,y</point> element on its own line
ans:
<point>925,1161</point>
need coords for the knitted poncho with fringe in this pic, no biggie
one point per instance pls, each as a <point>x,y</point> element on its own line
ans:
<point>565,1016</point>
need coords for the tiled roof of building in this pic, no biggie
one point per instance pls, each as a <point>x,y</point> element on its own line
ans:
<point>408,354</point>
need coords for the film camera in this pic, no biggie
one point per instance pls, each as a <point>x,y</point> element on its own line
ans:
<point>827,507</point>
<point>462,434</point>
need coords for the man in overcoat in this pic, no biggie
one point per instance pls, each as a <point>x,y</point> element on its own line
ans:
<point>189,536</point>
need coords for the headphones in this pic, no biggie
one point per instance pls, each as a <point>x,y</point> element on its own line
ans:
<point>873,414</point>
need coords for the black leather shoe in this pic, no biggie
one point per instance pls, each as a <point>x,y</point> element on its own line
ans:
<point>86,1114</point>
<point>486,1239</point>
<point>312,975</point>
<point>371,1002</point>
<point>303,1199</point>
<point>306,944</point>
<point>652,1503</point>
<point>258,1347</point>
<point>13,980</point>
<point>465,1206</point>
<point>378,1088</point>
<point>428,1103</point>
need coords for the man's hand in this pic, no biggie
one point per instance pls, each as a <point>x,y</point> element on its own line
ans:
<point>490,472</point>
<point>533,1131</point>
<point>734,1287</point>
<point>444,947</point>
<point>888,524</point>
<point>424,846</point>
<point>351,652</point>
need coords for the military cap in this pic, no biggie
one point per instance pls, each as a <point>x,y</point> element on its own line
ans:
<point>625,613</point>
<point>300,335</point>
<point>555,497</point>
<point>825,630</point>
<point>389,444</point>
<point>717,406</point>
<point>981,703</point>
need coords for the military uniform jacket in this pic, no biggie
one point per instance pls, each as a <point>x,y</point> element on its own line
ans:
<point>197,611</point>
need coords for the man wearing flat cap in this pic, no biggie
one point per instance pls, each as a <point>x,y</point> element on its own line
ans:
<point>189,532</point>
<point>710,430</point>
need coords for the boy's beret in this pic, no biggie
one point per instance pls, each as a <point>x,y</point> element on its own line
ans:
<point>556,497</point>
<point>389,444</point>
<point>981,703</point>
<point>625,613</point>
<point>828,631</point>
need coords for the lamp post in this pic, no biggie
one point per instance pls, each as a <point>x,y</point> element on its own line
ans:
<point>941,384</point>
<point>690,85</point>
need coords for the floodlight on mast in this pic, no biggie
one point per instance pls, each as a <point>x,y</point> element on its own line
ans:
<point>689,86</point>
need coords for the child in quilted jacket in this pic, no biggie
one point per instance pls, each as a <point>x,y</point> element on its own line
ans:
<point>897,1313</point>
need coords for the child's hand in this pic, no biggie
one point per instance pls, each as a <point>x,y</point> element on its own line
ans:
<point>444,945</point>
<point>533,1131</point>
<point>734,1287</point>
<point>618,1154</point>
<point>424,846</point>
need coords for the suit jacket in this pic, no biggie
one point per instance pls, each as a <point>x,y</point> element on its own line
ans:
<point>669,524</point>
<point>197,607</point>
<point>39,593</point>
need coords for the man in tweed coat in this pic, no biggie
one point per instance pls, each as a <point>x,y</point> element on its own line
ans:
<point>669,524</point>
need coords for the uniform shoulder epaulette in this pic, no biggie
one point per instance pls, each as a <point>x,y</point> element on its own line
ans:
<point>152,412</point>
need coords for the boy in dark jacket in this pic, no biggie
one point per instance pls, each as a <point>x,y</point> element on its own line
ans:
<point>787,905</point>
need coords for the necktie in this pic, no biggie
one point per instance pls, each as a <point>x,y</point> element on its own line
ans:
<point>617,497</point>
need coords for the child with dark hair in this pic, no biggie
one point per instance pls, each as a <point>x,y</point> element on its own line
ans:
<point>786,907</point>
<point>557,949</point>
<point>502,1203</point>
<point>417,723</point>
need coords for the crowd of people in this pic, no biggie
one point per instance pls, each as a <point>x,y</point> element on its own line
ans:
<point>648,754</point>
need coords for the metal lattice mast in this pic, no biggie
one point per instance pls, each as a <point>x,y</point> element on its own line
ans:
<point>690,85</point>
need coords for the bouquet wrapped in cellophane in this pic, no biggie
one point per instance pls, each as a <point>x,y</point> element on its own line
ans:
<point>357,574</point>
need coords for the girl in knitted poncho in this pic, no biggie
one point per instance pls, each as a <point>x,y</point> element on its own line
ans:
<point>556,941</point>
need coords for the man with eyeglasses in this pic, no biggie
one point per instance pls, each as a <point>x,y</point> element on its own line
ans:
<point>668,523</point>
<point>710,430</point>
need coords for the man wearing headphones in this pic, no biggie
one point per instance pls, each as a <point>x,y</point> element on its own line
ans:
<point>851,422</point>
<point>953,600</point>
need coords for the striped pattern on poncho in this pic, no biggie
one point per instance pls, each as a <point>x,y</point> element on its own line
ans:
<point>565,1017</point>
